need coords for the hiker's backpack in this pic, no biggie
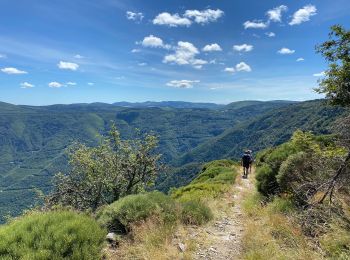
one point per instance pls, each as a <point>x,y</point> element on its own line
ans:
<point>247,159</point>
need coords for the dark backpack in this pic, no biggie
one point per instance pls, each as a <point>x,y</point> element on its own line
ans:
<point>247,159</point>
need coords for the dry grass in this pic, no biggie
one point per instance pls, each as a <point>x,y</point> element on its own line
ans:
<point>270,233</point>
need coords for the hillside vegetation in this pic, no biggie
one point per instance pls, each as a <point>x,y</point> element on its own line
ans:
<point>33,140</point>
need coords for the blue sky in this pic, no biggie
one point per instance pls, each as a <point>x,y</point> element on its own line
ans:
<point>204,51</point>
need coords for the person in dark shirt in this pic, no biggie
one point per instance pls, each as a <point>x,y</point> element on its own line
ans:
<point>246,163</point>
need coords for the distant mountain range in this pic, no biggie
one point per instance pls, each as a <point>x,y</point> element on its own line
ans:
<point>33,139</point>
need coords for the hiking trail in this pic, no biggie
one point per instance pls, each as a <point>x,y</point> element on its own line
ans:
<point>223,238</point>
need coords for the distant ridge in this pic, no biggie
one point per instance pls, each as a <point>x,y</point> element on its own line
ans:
<point>171,104</point>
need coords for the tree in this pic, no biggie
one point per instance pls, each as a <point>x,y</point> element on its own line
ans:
<point>336,51</point>
<point>103,174</point>
<point>336,86</point>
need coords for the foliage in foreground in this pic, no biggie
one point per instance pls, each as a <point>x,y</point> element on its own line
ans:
<point>103,174</point>
<point>214,179</point>
<point>51,235</point>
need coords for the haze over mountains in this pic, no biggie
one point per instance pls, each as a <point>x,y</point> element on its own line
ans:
<point>33,139</point>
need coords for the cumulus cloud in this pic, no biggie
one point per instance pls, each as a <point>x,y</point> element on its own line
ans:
<point>300,59</point>
<point>135,50</point>
<point>182,83</point>
<point>78,56</point>
<point>285,51</point>
<point>320,74</point>
<point>243,48</point>
<point>205,16</point>
<point>256,24</point>
<point>230,70</point>
<point>11,70</point>
<point>55,84</point>
<point>270,34</point>
<point>154,42</point>
<point>70,83</point>
<point>91,83</point>
<point>275,14</point>
<point>64,65</point>
<point>185,54</point>
<point>242,66</point>
<point>303,14</point>
<point>172,20</point>
<point>137,17</point>
<point>26,85</point>
<point>142,64</point>
<point>212,47</point>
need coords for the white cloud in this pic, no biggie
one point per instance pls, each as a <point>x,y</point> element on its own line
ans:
<point>91,83</point>
<point>185,53</point>
<point>205,16</point>
<point>270,34</point>
<point>230,70</point>
<point>64,65</point>
<point>11,70</point>
<point>137,17</point>
<point>242,66</point>
<point>300,59</point>
<point>172,20</point>
<point>182,83</point>
<point>303,14</point>
<point>321,74</point>
<point>2,56</point>
<point>244,47</point>
<point>284,51</point>
<point>70,83</point>
<point>142,64</point>
<point>135,50</point>
<point>212,47</point>
<point>275,14</point>
<point>255,25</point>
<point>55,84</point>
<point>78,56</point>
<point>154,42</point>
<point>26,85</point>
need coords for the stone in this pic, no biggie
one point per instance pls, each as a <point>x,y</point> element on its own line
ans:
<point>182,247</point>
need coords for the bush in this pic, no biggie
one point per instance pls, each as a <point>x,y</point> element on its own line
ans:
<point>195,213</point>
<point>214,179</point>
<point>51,235</point>
<point>266,180</point>
<point>120,215</point>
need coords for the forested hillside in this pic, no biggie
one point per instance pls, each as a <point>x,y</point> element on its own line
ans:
<point>33,139</point>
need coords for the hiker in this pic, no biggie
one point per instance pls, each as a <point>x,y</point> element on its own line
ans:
<point>251,161</point>
<point>246,163</point>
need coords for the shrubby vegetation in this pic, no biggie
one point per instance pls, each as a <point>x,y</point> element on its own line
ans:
<point>52,235</point>
<point>103,174</point>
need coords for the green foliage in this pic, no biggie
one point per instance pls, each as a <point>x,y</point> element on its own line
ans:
<point>195,212</point>
<point>51,235</point>
<point>122,214</point>
<point>281,205</point>
<point>304,159</point>
<point>336,51</point>
<point>105,173</point>
<point>214,179</point>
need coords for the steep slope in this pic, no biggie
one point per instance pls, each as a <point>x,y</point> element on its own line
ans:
<point>33,139</point>
<point>272,128</point>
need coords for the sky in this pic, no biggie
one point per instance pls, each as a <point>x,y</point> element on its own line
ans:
<point>83,51</point>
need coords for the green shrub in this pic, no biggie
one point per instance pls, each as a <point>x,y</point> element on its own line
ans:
<point>195,213</point>
<point>120,215</point>
<point>214,179</point>
<point>266,180</point>
<point>51,235</point>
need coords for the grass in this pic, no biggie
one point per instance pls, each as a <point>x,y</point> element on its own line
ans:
<point>155,222</point>
<point>51,235</point>
<point>272,234</point>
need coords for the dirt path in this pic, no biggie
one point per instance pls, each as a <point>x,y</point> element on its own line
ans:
<point>224,234</point>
